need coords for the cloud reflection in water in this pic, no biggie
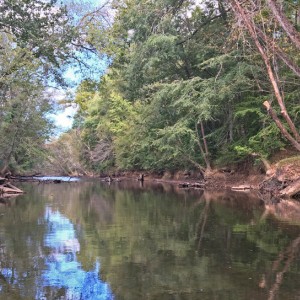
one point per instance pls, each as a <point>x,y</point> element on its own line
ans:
<point>63,271</point>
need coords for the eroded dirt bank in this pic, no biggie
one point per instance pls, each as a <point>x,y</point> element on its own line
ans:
<point>281,180</point>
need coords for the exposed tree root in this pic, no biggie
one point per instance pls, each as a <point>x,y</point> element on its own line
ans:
<point>7,189</point>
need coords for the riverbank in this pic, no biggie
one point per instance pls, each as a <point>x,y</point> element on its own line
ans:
<point>280,180</point>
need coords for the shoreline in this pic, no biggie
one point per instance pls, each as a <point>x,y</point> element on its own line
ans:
<point>280,181</point>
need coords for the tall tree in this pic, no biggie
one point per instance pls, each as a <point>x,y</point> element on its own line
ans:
<point>246,15</point>
<point>37,39</point>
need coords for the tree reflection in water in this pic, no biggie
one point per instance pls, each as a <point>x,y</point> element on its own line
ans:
<point>64,275</point>
<point>154,242</point>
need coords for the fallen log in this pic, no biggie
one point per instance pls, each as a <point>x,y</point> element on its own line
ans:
<point>9,185</point>
<point>241,187</point>
<point>197,185</point>
<point>8,188</point>
<point>184,185</point>
<point>291,190</point>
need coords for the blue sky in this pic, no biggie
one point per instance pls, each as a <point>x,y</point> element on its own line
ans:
<point>64,117</point>
<point>73,75</point>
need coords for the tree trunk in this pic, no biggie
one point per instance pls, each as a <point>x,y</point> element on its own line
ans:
<point>204,151</point>
<point>248,22</point>
<point>9,189</point>
<point>4,168</point>
<point>282,129</point>
<point>291,190</point>
<point>230,125</point>
<point>265,162</point>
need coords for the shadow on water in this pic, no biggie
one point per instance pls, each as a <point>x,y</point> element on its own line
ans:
<point>124,240</point>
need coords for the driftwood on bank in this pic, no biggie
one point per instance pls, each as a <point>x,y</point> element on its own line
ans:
<point>291,190</point>
<point>6,188</point>
<point>195,185</point>
<point>281,187</point>
<point>243,187</point>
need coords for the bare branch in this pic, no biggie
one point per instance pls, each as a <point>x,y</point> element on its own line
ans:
<point>285,23</point>
<point>248,22</point>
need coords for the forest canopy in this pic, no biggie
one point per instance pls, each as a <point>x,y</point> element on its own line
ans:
<point>190,84</point>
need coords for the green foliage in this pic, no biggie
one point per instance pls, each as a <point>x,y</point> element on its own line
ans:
<point>43,29</point>
<point>267,140</point>
<point>24,125</point>
<point>85,93</point>
<point>181,92</point>
<point>37,40</point>
<point>106,121</point>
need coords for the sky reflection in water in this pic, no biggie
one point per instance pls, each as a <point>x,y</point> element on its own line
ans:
<point>63,271</point>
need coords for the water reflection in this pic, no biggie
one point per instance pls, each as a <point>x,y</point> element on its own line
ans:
<point>63,271</point>
<point>287,211</point>
<point>60,178</point>
<point>153,242</point>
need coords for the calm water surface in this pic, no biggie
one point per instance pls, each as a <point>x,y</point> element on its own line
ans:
<point>90,240</point>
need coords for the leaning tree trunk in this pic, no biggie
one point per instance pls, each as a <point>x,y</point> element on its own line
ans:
<point>248,22</point>
<point>281,127</point>
<point>291,190</point>
<point>5,166</point>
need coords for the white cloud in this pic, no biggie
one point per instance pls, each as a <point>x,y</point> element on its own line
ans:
<point>64,119</point>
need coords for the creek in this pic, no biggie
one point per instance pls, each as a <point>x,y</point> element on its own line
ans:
<point>128,240</point>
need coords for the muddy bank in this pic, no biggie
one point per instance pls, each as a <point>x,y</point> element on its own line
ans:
<point>217,179</point>
<point>282,180</point>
